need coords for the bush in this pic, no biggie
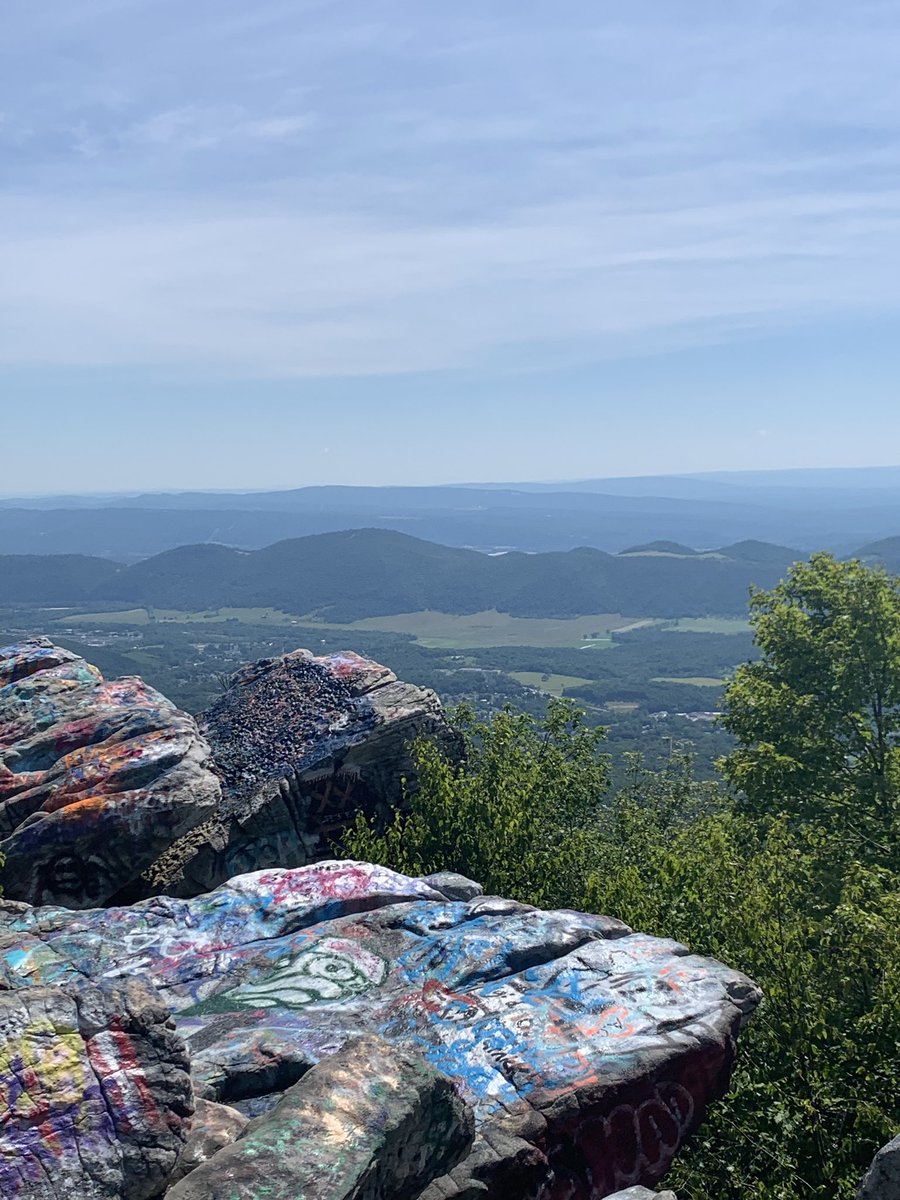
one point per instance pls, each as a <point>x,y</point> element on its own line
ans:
<point>516,815</point>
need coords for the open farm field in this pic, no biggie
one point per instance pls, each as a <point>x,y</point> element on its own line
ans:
<point>554,685</point>
<point>693,680</point>
<point>436,630</point>
<point>709,625</point>
<point>173,616</point>
<point>445,631</point>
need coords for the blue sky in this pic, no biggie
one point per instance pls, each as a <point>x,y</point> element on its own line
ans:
<point>306,241</point>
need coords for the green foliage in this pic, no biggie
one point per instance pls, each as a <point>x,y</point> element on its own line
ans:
<point>793,905</point>
<point>814,1093</point>
<point>818,715</point>
<point>515,815</point>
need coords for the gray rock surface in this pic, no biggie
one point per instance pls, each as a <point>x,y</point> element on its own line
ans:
<point>95,1096</point>
<point>213,1126</point>
<point>453,886</point>
<point>882,1180</point>
<point>367,1123</point>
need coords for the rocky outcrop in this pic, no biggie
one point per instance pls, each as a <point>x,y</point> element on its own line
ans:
<point>301,745</point>
<point>97,778</point>
<point>95,1096</point>
<point>882,1180</point>
<point>110,794</point>
<point>368,1122</point>
<point>587,1052</point>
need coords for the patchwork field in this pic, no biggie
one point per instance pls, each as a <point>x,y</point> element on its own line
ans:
<point>445,631</point>
<point>694,680</point>
<point>555,685</point>
<point>436,630</point>
<point>173,616</point>
<point>710,625</point>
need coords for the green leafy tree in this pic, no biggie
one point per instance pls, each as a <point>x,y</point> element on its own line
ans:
<point>817,717</point>
<point>515,815</point>
<point>814,1091</point>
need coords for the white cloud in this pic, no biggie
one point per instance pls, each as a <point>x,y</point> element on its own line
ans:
<point>306,189</point>
<point>271,293</point>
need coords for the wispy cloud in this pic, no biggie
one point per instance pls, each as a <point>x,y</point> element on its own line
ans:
<point>302,189</point>
<point>194,128</point>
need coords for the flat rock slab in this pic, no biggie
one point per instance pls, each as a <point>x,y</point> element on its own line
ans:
<point>301,744</point>
<point>368,1122</point>
<point>587,1052</point>
<point>95,1095</point>
<point>97,778</point>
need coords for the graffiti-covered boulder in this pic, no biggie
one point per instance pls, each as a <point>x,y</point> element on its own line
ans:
<point>95,1095</point>
<point>110,794</point>
<point>301,745</point>
<point>587,1052</point>
<point>368,1122</point>
<point>97,778</point>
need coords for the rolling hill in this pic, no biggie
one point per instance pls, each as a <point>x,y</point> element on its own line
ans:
<point>52,579</point>
<point>886,552</point>
<point>375,572</point>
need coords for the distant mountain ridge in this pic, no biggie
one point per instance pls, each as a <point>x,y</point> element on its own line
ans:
<point>838,510</point>
<point>359,573</point>
<point>375,572</point>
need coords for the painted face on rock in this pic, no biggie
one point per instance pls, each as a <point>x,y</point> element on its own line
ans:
<point>327,973</point>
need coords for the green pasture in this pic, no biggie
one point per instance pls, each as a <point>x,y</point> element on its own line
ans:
<point>694,680</point>
<point>446,631</point>
<point>148,616</point>
<point>554,685</point>
<point>437,630</point>
<point>711,625</point>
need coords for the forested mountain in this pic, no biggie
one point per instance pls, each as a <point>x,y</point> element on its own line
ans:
<point>374,572</point>
<point>886,552</point>
<point>52,578</point>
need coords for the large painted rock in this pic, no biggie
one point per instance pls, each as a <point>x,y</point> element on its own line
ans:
<point>97,778</point>
<point>587,1052</point>
<point>95,1095</point>
<point>369,1122</point>
<point>110,794</point>
<point>301,744</point>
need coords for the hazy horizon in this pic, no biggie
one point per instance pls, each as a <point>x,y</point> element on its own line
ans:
<point>829,477</point>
